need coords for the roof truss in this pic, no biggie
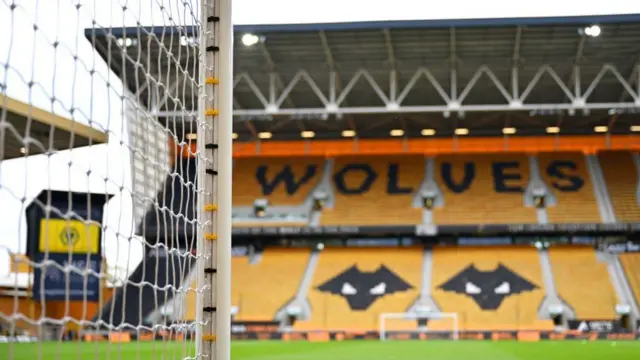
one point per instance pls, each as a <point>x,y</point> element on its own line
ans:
<point>577,97</point>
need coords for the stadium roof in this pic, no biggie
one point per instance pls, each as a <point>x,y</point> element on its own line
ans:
<point>482,74</point>
<point>45,130</point>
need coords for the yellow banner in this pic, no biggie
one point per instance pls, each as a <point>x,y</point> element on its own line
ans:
<point>64,236</point>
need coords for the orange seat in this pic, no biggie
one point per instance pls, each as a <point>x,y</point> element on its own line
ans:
<point>469,281</point>
<point>571,185</point>
<point>376,205</point>
<point>631,265</point>
<point>583,282</point>
<point>621,176</point>
<point>480,203</point>
<point>254,224</point>
<point>331,310</point>
<point>260,290</point>
<point>27,307</point>
<point>303,173</point>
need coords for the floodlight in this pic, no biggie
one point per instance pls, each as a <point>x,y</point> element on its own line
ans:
<point>187,40</point>
<point>348,133</point>
<point>593,31</point>
<point>250,39</point>
<point>307,134</point>
<point>125,42</point>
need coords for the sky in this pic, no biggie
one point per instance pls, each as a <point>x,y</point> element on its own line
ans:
<point>64,72</point>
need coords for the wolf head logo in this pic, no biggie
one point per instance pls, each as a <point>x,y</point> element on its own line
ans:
<point>361,288</point>
<point>488,288</point>
<point>69,236</point>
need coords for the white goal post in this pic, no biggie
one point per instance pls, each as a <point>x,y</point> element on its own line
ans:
<point>386,317</point>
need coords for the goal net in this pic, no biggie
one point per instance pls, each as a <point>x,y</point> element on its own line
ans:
<point>115,178</point>
<point>407,326</point>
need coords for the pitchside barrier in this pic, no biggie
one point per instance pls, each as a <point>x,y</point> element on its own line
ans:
<point>316,336</point>
<point>270,330</point>
<point>433,230</point>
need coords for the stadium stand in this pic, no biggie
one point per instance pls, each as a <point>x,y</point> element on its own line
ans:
<point>57,310</point>
<point>405,87</point>
<point>568,177</point>
<point>282,181</point>
<point>621,176</point>
<point>389,197</point>
<point>259,290</point>
<point>335,281</point>
<point>631,265</point>
<point>15,297</point>
<point>483,198</point>
<point>190,301</point>
<point>20,264</point>
<point>491,288</point>
<point>583,282</point>
<point>21,305</point>
<point>256,224</point>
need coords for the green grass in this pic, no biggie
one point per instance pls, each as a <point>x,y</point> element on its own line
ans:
<point>347,350</point>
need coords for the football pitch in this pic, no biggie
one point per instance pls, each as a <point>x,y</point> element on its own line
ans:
<point>347,350</point>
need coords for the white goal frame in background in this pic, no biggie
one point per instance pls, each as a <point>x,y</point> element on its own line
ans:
<point>416,316</point>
